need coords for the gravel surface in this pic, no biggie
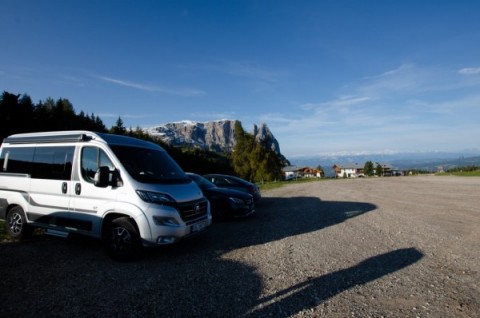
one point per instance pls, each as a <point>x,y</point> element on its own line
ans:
<point>376,247</point>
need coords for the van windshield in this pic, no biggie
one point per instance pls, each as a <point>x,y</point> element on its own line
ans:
<point>150,165</point>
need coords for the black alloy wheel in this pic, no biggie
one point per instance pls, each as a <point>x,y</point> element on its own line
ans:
<point>122,241</point>
<point>16,225</point>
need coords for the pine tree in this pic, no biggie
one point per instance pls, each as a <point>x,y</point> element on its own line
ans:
<point>118,128</point>
<point>368,168</point>
<point>252,160</point>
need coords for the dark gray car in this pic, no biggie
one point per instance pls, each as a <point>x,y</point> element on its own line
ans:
<point>225,203</point>
<point>232,182</point>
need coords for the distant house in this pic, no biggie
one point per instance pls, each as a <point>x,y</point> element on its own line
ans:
<point>294,172</point>
<point>290,172</point>
<point>310,172</point>
<point>355,170</point>
<point>387,169</point>
<point>349,170</point>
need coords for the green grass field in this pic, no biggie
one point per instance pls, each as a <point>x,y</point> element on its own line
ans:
<point>278,184</point>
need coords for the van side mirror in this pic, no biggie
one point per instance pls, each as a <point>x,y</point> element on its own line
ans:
<point>101,177</point>
<point>116,179</point>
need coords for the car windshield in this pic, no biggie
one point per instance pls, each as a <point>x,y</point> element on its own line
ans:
<point>150,165</point>
<point>235,180</point>
<point>202,182</point>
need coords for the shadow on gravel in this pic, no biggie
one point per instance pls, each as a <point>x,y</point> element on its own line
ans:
<point>74,277</point>
<point>278,218</point>
<point>298,215</point>
<point>314,291</point>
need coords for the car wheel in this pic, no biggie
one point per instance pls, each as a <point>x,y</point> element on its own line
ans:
<point>16,225</point>
<point>122,241</point>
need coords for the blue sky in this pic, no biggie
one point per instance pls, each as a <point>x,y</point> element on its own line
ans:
<point>325,76</point>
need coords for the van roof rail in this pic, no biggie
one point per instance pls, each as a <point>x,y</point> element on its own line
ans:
<point>38,138</point>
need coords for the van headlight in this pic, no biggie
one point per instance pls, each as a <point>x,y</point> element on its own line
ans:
<point>155,197</point>
<point>165,221</point>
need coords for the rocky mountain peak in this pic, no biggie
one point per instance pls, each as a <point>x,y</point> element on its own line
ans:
<point>217,136</point>
<point>264,136</point>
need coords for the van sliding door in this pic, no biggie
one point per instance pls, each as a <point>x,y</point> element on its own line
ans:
<point>50,185</point>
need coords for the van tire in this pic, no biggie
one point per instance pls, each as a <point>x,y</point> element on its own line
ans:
<point>121,239</point>
<point>16,225</point>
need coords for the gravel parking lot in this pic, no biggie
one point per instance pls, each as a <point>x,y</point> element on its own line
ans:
<point>376,247</point>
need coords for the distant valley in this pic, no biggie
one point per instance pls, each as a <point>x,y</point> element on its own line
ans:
<point>428,161</point>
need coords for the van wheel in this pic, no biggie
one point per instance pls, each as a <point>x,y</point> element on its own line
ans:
<point>16,225</point>
<point>122,241</point>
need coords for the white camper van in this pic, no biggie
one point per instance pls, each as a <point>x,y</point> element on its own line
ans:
<point>128,192</point>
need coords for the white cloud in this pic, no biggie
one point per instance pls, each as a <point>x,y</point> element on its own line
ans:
<point>407,78</point>
<point>408,107</point>
<point>339,103</point>
<point>149,88</point>
<point>469,71</point>
<point>399,70</point>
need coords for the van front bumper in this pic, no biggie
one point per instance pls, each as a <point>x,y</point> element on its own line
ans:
<point>168,224</point>
<point>166,235</point>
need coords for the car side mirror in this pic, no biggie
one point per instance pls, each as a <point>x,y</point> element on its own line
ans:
<point>101,177</point>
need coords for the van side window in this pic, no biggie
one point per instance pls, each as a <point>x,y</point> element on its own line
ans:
<point>17,160</point>
<point>92,159</point>
<point>52,163</point>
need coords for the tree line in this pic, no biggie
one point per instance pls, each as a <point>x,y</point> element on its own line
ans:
<point>250,159</point>
<point>370,170</point>
<point>18,114</point>
<point>464,169</point>
<point>254,160</point>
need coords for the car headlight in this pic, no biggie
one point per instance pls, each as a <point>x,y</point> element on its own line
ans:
<point>236,200</point>
<point>155,197</point>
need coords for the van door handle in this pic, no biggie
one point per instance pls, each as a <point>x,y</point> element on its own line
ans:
<point>78,188</point>
<point>64,188</point>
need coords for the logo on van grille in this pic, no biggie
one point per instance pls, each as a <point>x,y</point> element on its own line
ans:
<point>192,210</point>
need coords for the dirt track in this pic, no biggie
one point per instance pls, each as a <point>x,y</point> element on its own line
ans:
<point>392,247</point>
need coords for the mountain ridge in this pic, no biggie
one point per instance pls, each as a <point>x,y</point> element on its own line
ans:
<point>216,136</point>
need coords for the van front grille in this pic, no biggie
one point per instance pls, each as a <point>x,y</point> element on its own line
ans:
<point>193,210</point>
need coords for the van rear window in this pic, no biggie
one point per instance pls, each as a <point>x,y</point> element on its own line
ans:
<point>17,160</point>
<point>39,162</point>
